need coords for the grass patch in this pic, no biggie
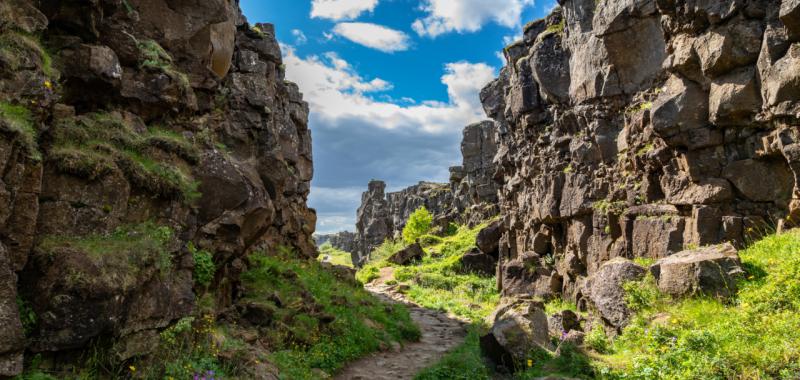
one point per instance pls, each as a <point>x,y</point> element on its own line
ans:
<point>301,294</point>
<point>437,281</point>
<point>14,46</point>
<point>335,256</point>
<point>756,336</point>
<point>125,252</point>
<point>94,145</point>
<point>558,305</point>
<point>19,120</point>
<point>463,363</point>
<point>154,56</point>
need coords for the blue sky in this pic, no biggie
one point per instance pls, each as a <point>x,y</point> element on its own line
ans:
<point>391,84</point>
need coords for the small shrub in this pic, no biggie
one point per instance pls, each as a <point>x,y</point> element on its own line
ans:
<point>204,267</point>
<point>643,294</point>
<point>419,224</point>
<point>597,339</point>
<point>27,316</point>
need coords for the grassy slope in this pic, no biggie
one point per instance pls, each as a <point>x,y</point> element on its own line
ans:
<point>755,336</point>
<point>301,342</point>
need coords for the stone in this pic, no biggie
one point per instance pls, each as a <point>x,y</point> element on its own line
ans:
<point>561,323</point>
<point>790,16</point>
<point>407,255</point>
<point>728,47</point>
<point>478,262</point>
<point>12,338</point>
<point>604,290</point>
<point>92,62</point>
<point>343,273</point>
<point>711,271</point>
<point>781,83</point>
<point>761,181</point>
<point>488,239</point>
<point>517,327</point>
<point>734,98</point>
<point>682,107</point>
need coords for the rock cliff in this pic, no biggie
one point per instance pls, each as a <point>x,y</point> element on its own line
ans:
<point>639,128</point>
<point>470,197</point>
<point>138,122</point>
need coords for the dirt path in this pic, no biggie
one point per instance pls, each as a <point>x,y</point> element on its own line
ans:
<point>440,334</point>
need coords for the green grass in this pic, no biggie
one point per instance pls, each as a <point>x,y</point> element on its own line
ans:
<point>19,120</point>
<point>154,56</point>
<point>557,305</point>
<point>335,256</point>
<point>299,340</point>
<point>378,260</point>
<point>15,44</point>
<point>463,363</point>
<point>120,254</point>
<point>756,335</point>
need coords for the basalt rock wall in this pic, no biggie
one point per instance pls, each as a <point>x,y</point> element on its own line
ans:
<point>127,113</point>
<point>469,198</point>
<point>638,128</point>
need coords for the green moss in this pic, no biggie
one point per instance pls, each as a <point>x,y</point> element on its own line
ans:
<point>301,342</point>
<point>608,207</point>
<point>556,28</point>
<point>19,120</point>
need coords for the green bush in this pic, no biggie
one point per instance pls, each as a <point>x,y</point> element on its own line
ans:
<point>204,267</point>
<point>419,224</point>
<point>430,240</point>
<point>597,339</point>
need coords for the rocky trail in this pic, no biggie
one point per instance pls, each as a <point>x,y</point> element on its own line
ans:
<point>440,334</point>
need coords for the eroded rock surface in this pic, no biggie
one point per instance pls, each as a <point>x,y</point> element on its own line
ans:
<point>131,112</point>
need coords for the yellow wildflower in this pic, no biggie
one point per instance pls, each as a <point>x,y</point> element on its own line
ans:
<point>48,84</point>
<point>132,368</point>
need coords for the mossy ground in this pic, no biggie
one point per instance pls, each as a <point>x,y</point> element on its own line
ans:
<point>301,342</point>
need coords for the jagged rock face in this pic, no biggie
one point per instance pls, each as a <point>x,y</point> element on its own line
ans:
<point>470,197</point>
<point>638,128</point>
<point>230,170</point>
<point>472,183</point>
<point>345,240</point>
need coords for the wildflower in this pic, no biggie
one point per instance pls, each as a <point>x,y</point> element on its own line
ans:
<point>530,363</point>
<point>48,85</point>
<point>132,368</point>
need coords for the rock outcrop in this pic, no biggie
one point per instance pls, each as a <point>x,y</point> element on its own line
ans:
<point>345,240</point>
<point>470,197</point>
<point>147,121</point>
<point>640,128</point>
<point>710,271</point>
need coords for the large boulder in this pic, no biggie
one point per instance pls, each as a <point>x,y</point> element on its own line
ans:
<point>518,327</point>
<point>605,290</point>
<point>561,323</point>
<point>407,255</point>
<point>478,262</point>
<point>488,239</point>
<point>709,270</point>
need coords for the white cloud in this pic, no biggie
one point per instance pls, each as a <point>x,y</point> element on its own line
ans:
<point>341,9</point>
<point>336,92</point>
<point>373,36</point>
<point>467,15</point>
<point>299,37</point>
